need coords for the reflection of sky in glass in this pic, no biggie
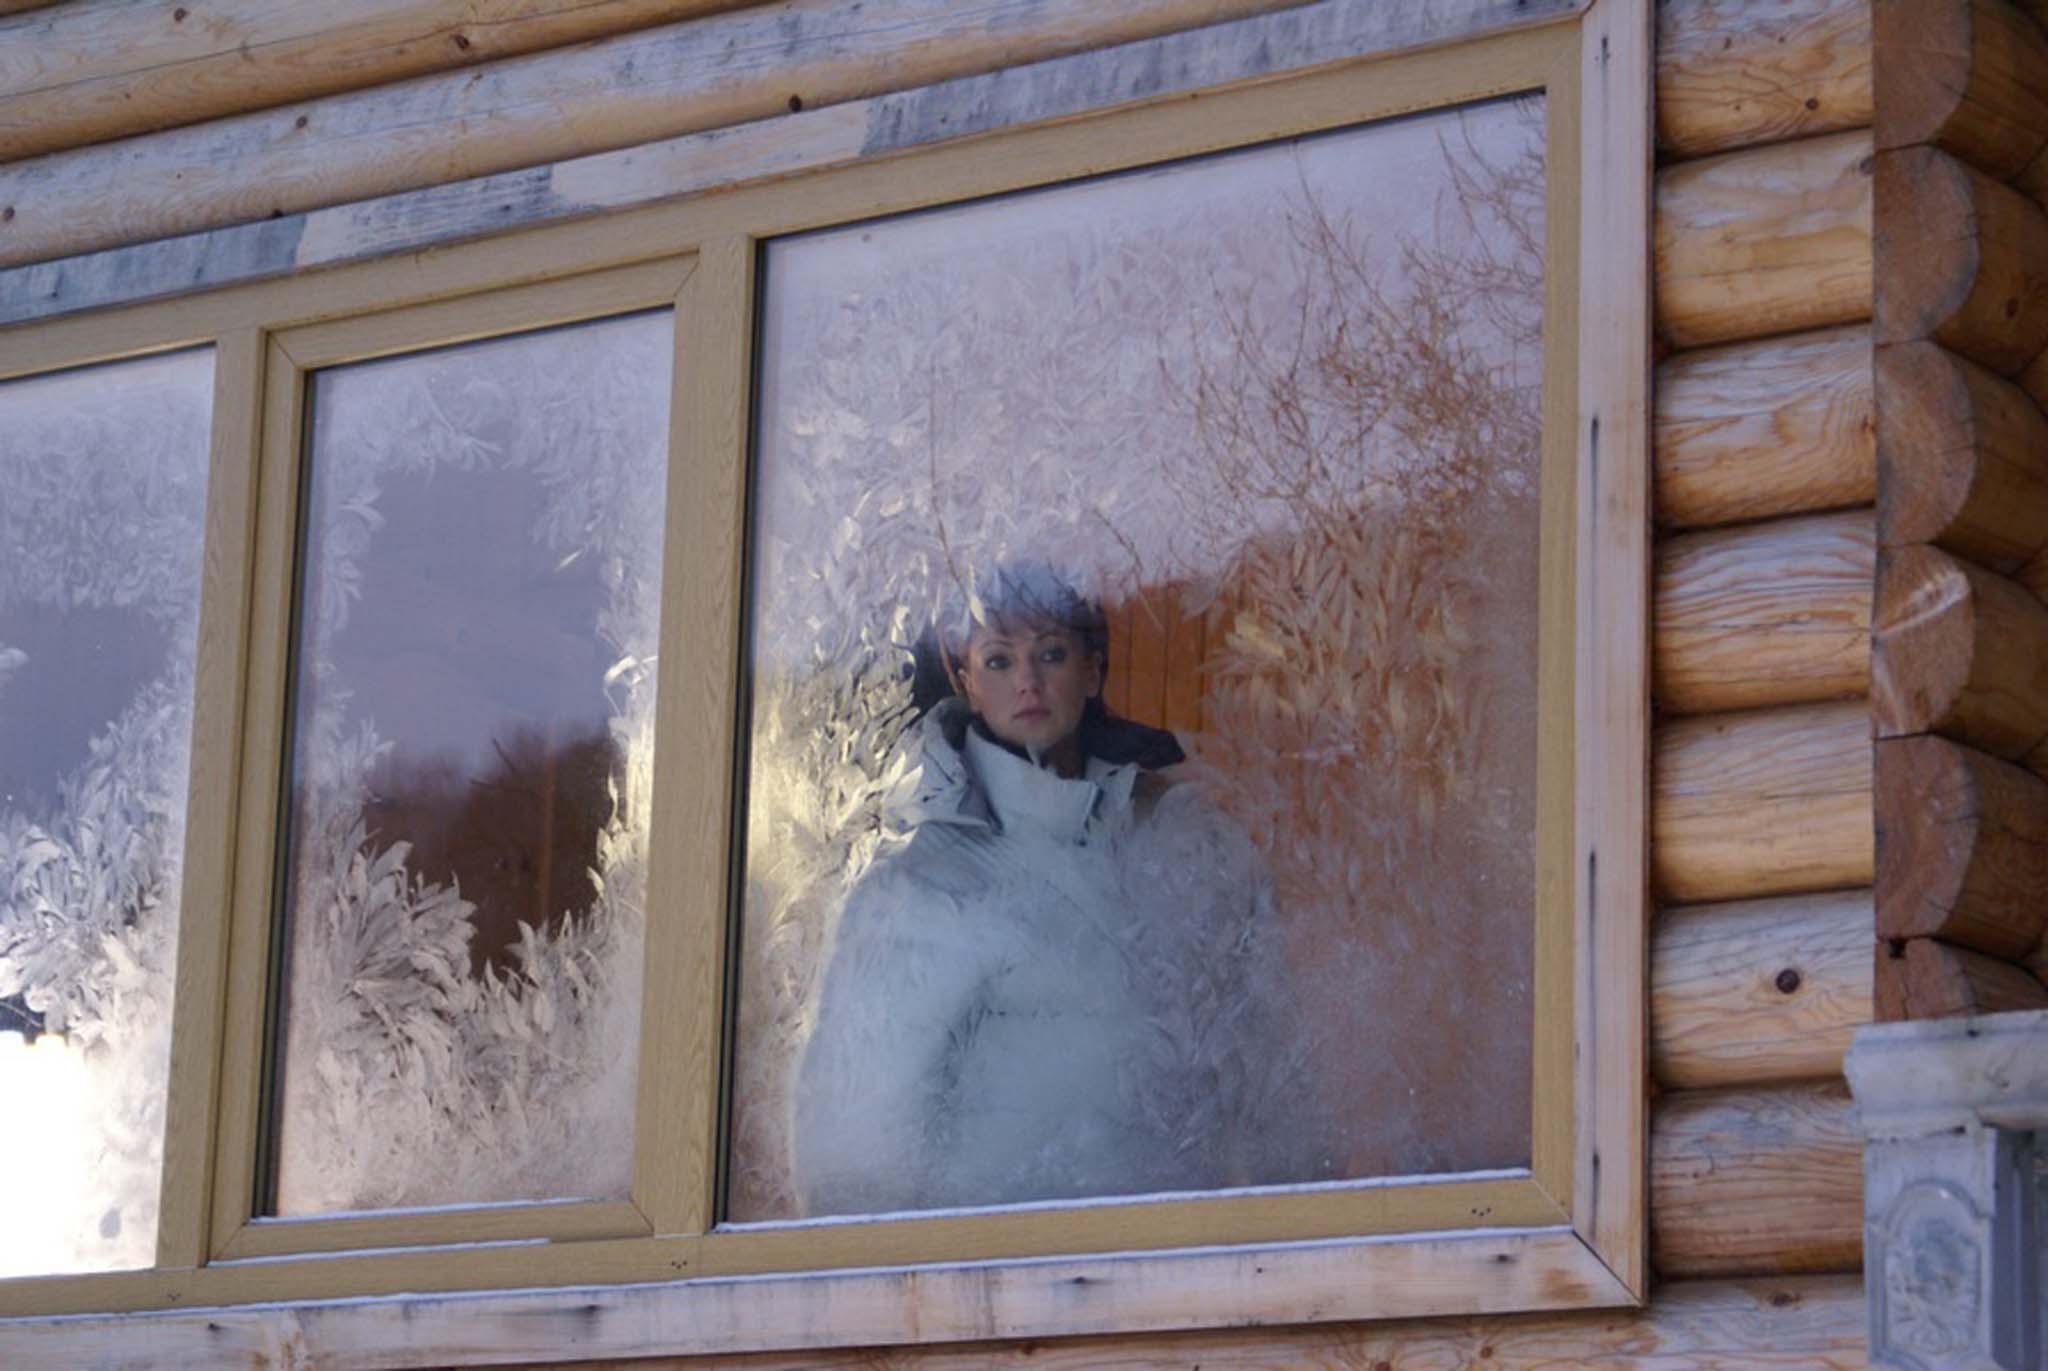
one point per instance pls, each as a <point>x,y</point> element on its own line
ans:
<point>1278,409</point>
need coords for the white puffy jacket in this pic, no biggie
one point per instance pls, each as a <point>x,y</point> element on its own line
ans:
<point>1057,988</point>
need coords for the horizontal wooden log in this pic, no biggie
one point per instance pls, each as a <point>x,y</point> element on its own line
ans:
<point>1753,430</point>
<point>1962,458</point>
<point>1962,259</point>
<point>1749,1182</point>
<point>1959,651</point>
<point>1154,69</point>
<point>1765,614</point>
<point>1964,75</point>
<point>1768,802</point>
<point>656,84</point>
<point>1962,847</point>
<point>1764,241</point>
<point>1758,992</point>
<point>1791,1323</point>
<point>1736,73</point>
<point>98,69</point>
<point>1926,979</point>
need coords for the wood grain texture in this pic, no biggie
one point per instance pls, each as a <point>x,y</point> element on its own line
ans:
<point>1153,71</point>
<point>1790,1323</point>
<point>1959,651</point>
<point>1759,991</point>
<point>1753,430</point>
<point>1962,259</point>
<point>96,70</point>
<point>1962,458</point>
<point>1764,241</point>
<point>1962,847</point>
<point>1926,979</point>
<point>1749,1182</point>
<point>1737,73</point>
<point>1474,1273</point>
<point>1767,802</point>
<point>1764,614</point>
<point>1605,519</point>
<point>1965,75</point>
<point>658,83</point>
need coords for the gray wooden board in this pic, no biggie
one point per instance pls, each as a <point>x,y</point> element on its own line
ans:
<point>1246,49</point>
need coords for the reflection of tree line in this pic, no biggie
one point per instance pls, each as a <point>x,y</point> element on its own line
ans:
<point>518,840</point>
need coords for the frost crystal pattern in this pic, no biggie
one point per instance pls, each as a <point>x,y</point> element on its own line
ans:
<point>103,471</point>
<point>473,735</point>
<point>1280,412</point>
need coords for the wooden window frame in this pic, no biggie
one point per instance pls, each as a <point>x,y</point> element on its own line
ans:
<point>1570,1232</point>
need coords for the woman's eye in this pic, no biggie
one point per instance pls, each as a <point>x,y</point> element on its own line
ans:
<point>996,661</point>
<point>1053,655</point>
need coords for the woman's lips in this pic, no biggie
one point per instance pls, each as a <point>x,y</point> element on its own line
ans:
<point>1031,713</point>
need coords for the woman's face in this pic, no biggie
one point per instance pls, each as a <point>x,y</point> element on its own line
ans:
<point>1029,680</point>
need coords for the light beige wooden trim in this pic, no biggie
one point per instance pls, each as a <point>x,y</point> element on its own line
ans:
<point>227,568</point>
<point>1389,1209</point>
<point>542,304</point>
<point>1611,863</point>
<point>561,1221</point>
<point>1463,1273</point>
<point>239,1231</point>
<point>676,1140</point>
<point>1552,992</point>
<point>262,728</point>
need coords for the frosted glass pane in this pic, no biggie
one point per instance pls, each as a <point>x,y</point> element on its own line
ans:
<point>473,730</point>
<point>102,512</point>
<point>1246,448</point>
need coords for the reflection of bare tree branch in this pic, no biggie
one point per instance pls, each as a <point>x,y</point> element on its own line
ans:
<point>1381,444</point>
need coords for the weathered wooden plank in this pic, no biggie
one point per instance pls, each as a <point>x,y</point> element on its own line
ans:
<point>1018,94</point>
<point>1736,73</point>
<point>1928,979</point>
<point>1965,75</point>
<point>1750,1182</point>
<point>1760,991</point>
<point>1764,614</point>
<point>1767,802</point>
<point>1765,241</point>
<point>96,70</point>
<point>1962,259</point>
<point>679,78</point>
<point>1959,651</point>
<point>1754,430</point>
<point>1962,847</point>
<point>1794,1323</point>
<point>655,84</point>
<point>1962,458</point>
<point>1470,1273</point>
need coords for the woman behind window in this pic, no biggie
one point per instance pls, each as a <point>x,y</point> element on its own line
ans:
<point>1064,983</point>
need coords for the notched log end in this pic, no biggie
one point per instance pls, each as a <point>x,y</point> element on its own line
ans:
<point>1922,633</point>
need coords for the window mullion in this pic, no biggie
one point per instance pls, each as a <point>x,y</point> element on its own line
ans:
<point>681,1053</point>
<point>208,872</point>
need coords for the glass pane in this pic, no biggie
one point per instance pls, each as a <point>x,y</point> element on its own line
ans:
<point>1238,458</point>
<point>102,513</point>
<point>473,730</point>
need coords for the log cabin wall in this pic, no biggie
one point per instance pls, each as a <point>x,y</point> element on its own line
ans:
<point>1783,458</point>
<point>1960,657</point>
